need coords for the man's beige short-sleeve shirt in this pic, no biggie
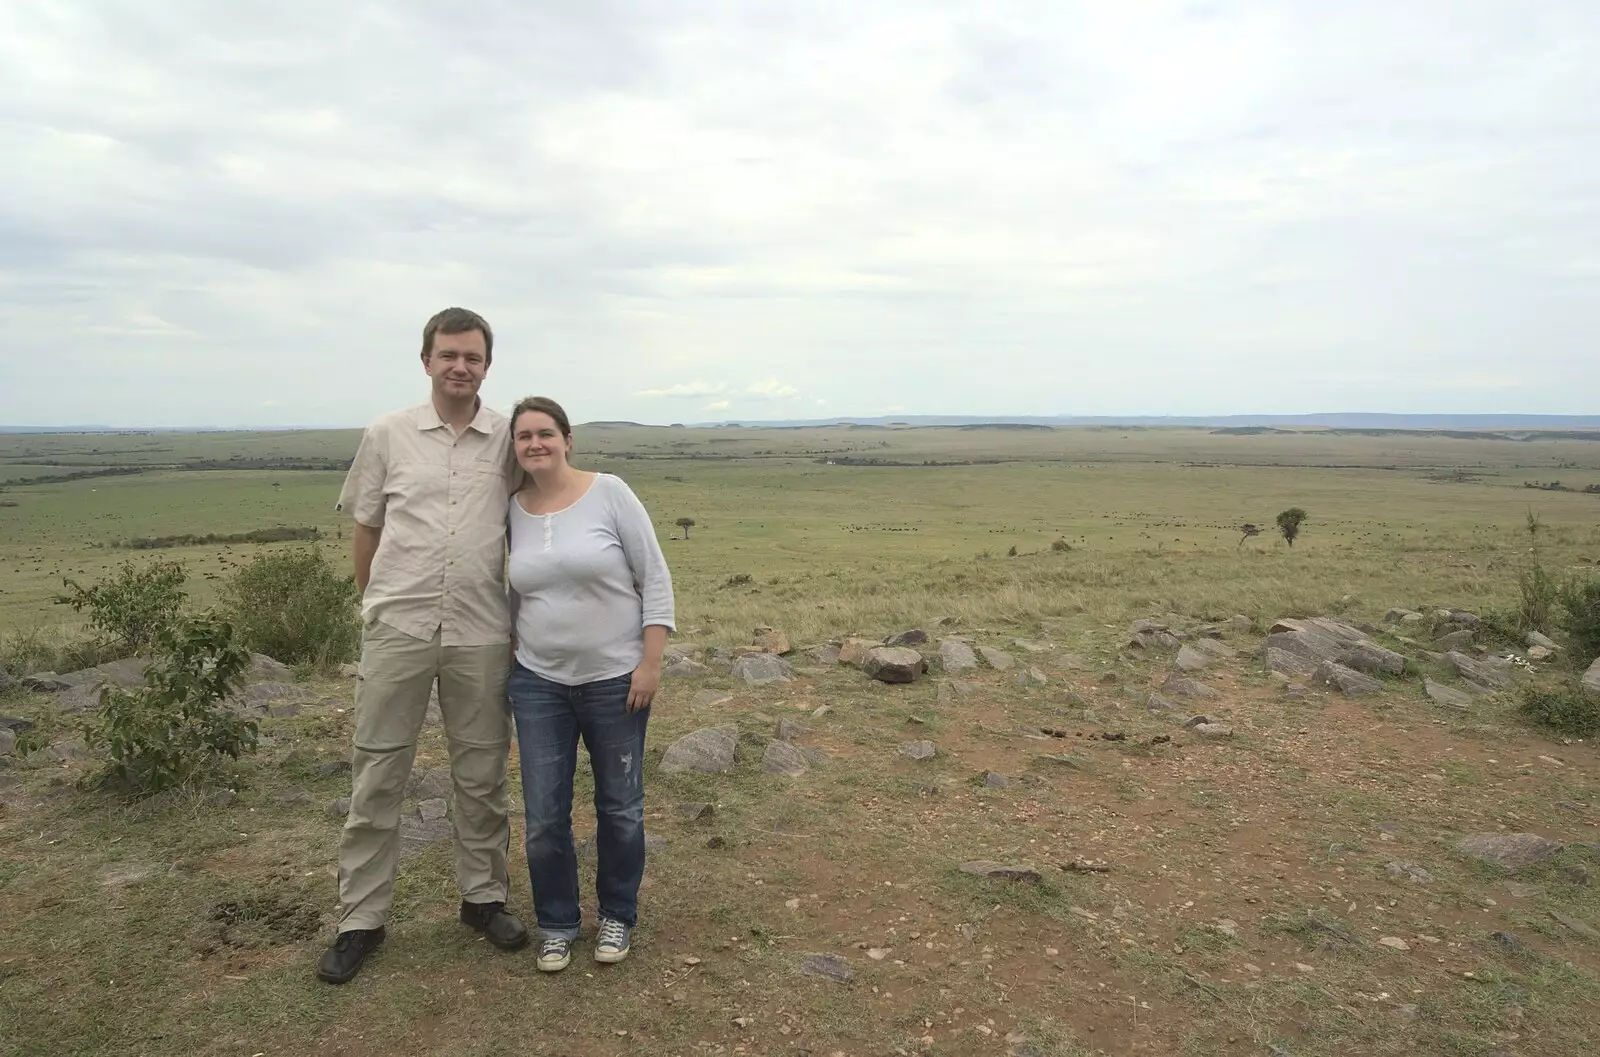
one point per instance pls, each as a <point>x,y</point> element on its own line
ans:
<point>440,499</point>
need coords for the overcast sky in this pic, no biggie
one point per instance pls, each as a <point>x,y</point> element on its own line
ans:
<point>241,213</point>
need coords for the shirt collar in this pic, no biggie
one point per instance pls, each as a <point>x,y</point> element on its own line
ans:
<point>428,418</point>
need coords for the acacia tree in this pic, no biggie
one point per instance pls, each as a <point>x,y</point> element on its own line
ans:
<point>1248,530</point>
<point>685,523</point>
<point>1289,523</point>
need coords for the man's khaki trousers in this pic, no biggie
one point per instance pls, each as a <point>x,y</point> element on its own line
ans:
<point>397,674</point>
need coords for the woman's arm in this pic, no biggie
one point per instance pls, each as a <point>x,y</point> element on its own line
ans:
<point>653,581</point>
<point>647,677</point>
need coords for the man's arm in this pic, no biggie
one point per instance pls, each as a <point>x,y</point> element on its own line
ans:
<point>364,547</point>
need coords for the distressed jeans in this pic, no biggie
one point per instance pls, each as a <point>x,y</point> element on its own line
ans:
<point>550,718</point>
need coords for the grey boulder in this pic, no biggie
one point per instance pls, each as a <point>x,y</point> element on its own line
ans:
<point>709,750</point>
<point>893,664</point>
<point>760,668</point>
<point>1509,851</point>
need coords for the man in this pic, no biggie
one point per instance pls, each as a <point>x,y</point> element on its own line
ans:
<point>428,491</point>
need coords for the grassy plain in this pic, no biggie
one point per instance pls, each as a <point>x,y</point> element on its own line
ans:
<point>189,925</point>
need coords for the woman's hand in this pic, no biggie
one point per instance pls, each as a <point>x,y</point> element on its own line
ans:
<point>646,681</point>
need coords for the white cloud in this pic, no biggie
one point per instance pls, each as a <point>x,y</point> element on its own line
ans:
<point>718,405</point>
<point>685,390</point>
<point>1164,207</point>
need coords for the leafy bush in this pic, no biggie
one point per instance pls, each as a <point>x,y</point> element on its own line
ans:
<point>1567,710</point>
<point>294,606</point>
<point>1580,618</point>
<point>1060,546</point>
<point>178,727</point>
<point>130,609</point>
<point>1289,523</point>
<point>24,651</point>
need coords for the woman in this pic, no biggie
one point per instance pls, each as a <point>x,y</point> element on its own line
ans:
<point>591,606</point>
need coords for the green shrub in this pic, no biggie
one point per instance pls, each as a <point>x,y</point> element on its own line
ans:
<point>1567,710</point>
<point>293,605</point>
<point>1060,546</point>
<point>178,727</point>
<point>24,651</point>
<point>1289,523</point>
<point>1580,617</point>
<point>130,609</point>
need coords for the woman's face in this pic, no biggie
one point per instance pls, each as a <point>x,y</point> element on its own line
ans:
<point>538,442</point>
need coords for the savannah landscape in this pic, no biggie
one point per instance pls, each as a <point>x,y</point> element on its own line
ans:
<point>1083,865</point>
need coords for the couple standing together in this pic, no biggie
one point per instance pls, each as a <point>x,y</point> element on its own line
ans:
<point>452,501</point>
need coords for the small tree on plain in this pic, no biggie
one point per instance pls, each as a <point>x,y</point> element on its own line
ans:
<point>1289,523</point>
<point>1248,530</point>
<point>685,523</point>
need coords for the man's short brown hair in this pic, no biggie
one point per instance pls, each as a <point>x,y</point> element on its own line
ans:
<point>458,321</point>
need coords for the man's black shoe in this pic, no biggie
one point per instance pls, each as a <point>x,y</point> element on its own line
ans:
<point>497,925</point>
<point>343,960</point>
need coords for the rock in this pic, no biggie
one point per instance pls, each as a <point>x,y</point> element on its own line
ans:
<point>1533,638</point>
<point>1154,703</point>
<point>711,698</point>
<point>1443,695</point>
<point>1394,943</point>
<point>259,699</point>
<point>914,637</point>
<point>685,668</point>
<point>430,783</point>
<point>854,650</point>
<point>1320,639</point>
<point>1582,928</point>
<point>1539,653</point>
<point>790,729</point>
<point>1215,648</point>
<point>8,742</point>
<point>995,780</point>
<point>1455,640</point>
<point>1351,683</point>
<point>44,683</point>
<point>1295,692</point>
<point>997,659</point>
<point>956,689</point>
<point>1290,664</point>
<point>1191,660</point>
<point>893,664</point>
<point>418,835</point>
<point>918,750</point>
<point>15,724</point>
<point>770,640</point>
<point>1213,731</point>
<point>1409,871</point>
<point>129,672</point>
<point>828,967</point>
<point>1591,679</point>
<point>340,808</point>
<point>783,758</point>
<point>264,669</point>
<point>1509,851</point>
<point>1153,639</point>
<point>821,710</point>
<point>1510,943</point>
<point>1032,678</point>
<point>349,671</point>
<point>1241,623</point>
<point>1000,871</point>
<point>956,656</point>
<point>1398,616</point>
<point>709,750</point>
<point>824,656</point>
<point>762,668</point>
<point>1486,673</point>
<point>695,810</point>
<point>438,807</point>
<point>1191,689</point>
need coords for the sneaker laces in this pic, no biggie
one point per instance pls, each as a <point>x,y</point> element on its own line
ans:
<point>552,945</point>
<point>613,934</point>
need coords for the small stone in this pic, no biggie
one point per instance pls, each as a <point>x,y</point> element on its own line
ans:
<point>685,668</point>
<point>820,711</point>
<point>784,759</point>
<point>913,637</point>
<point>1509,851</point>
<point>918,750</point>
<point>339,808</point>
<point>8,742</point>
<point>1582,928</point>
<point>997,659</point>
<point>770,640</point>
<point>715,842</point>
<point>1394,943</point>
<point>790,729</point>
<point>1032,678</point>
<point>1000,871</point>
<point>1193,689</point>
<point>349,671</point>
<point>956,656</point>
<point>1213,731</point>
<point>436,808</point>
<point>1241,624</point>
<point>694,810</point>
<point>995,780</point>
<point>1539,653</point>
<point>853,650</point>
<point>1409,871</point>
<point>1190,659</point>
<point>431,783</point>
<point>1535,640</point>
<point>1444,695</point>
<point>878,954</point>
<point>761,668</point>
<point>709,750</point>
<point>711,698</point>
<point>332,768</point>
<point>1455,640</point>
<point>828,967</point>
<point>1350,682</point>
<point>893,664</point>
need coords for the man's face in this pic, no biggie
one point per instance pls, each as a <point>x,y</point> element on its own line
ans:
<point>457,364</point>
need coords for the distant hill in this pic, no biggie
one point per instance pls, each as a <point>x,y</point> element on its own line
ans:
<point>1329,420</point>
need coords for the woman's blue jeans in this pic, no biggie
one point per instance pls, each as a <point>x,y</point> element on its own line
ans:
<point>550,719</point>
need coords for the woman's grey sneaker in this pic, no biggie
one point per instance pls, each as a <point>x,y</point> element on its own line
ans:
<point>612,944</point>
<point>343,960</point>
<point>554,955</point>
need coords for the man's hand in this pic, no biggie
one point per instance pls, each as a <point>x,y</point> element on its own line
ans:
<point>646,681</point>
